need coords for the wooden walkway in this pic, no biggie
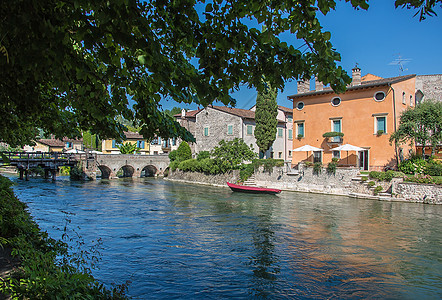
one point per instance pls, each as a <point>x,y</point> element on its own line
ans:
<point>49,162</point>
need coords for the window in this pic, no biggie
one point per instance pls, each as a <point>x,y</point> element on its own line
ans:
<point>336,127</point>
<point>206,131</point>
<point>379,96</point>
<point>68,144</point>
<point>249,129</point>
<point>279,132</point>
<point>336,154</point>
<point>279,154</point>
<point>381,124</point>
<point>114,144</point>
<point>140,144</point>
<point>300,129</point>
<point>154,141</point>
<point>271,154</point>
<point>290,134</point>
<point>411,100</point>
<point>173,141</point>
<point>290,153</point>
<point>300,105</point>
<point>336,101</point>
<point>403,98</point>
<point>289,119</point>
<point>230,129</point>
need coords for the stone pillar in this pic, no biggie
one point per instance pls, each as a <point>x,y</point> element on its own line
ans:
<point>46,174</point>
<point>27,174</point>
<point>21,174</point>
<point>54,174</point>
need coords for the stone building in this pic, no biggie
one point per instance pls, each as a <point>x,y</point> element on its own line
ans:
<point>428,87</point>
<point>216,123</point>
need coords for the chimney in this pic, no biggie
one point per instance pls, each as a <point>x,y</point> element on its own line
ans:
<point>303,86</point>
<point>183,113</point>
<point>356,76</point>
<point>318,85</point>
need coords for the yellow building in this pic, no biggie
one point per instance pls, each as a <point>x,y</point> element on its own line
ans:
<point>111,146</point>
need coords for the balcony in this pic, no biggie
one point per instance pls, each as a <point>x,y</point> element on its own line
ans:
<point>334,138</point>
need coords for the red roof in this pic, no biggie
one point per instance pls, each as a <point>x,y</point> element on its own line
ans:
<point>51,142</point>
<point>133,135</point>
<point>189,114</point>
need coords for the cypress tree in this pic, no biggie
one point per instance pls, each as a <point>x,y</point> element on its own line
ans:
<point>265,117</point>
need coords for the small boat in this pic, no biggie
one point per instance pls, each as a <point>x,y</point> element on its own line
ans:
<point>252,189</point>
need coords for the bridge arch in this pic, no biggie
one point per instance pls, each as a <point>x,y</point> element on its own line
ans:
<point>149,171</point>
<point>105,172</point>
<point>125,171</point>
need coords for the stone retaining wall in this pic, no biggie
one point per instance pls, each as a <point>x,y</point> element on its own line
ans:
<point>219,179</point>
<point>418,192</point>
<point>306,181</point>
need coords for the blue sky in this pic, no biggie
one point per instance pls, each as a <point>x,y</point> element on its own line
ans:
<point>374,39</point>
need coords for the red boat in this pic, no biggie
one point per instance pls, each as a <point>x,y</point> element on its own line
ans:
<point>252,189</point>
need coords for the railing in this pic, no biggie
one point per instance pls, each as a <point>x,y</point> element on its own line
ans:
<point>7,157</point>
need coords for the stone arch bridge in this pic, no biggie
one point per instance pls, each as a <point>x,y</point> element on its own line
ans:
<point>132,165</point>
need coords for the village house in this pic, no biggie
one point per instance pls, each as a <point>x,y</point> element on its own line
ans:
<point>55,145</point>
<point>366,114</point>
<point>215,123</point>
<point>111,146</point>
<point>160,145</point>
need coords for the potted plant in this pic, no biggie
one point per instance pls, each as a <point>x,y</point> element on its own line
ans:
<point>380,132</point>
<point>300,136</point>
<point>336,136</point>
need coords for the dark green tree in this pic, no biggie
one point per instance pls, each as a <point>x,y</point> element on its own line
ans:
<point>184,152</point>
<point>72,66</point>
<point>172,112</point>
<point>229,155</point>
<point>421,125</point>
<point>265,117</point>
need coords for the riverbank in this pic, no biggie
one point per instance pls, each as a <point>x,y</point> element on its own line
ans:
<point>35,266</point>
<point>343,182</point>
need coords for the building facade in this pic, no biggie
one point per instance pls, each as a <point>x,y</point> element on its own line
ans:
<point>366,114</point>
<point>111,146</point>
<point>428,87</point>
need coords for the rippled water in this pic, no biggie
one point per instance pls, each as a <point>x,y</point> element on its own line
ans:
<point>175,240</point>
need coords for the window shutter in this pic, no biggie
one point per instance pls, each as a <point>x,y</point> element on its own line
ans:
<point>113,144</point>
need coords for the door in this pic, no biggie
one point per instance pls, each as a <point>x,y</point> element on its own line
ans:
<point>363,160</point>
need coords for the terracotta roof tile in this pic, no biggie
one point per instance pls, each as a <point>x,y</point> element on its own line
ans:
<point>133,135</point>
<point>51,142</point>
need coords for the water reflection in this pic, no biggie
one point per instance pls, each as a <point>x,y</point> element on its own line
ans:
<point>175,240</point>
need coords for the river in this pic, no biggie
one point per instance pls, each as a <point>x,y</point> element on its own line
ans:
<point>182,241</point>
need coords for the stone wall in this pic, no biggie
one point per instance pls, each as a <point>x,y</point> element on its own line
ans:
<point>217,122</point>
<point>305,180</point>
<point>201,178</point>
<point>430,85</point>
<point>417,192</point>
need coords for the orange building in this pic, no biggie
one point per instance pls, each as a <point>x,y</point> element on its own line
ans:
<point>366,114</point>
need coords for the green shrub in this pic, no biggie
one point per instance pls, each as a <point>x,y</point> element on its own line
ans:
<point>386,176</point>
<point>246,171</point>
<point>335,159</point>
<point>203,155</point>
<point>364,178</point>
<point>317,168</point>
<point>76,172</point>
<point>433,169</point>
<point>208,166</point>
<point>371,183</point>
<point>331,168</point>
<point>419,178</point>
<point>413,165</point>
<point>174,165</point>
<point>184,152</point>
<point>189,165</point>
<point>173,155</point>
<point>378,189</point>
